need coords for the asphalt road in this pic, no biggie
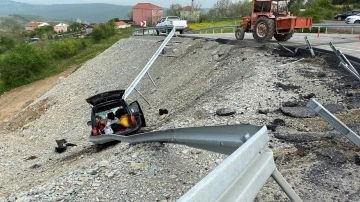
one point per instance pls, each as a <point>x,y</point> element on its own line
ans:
<point>347,43</point>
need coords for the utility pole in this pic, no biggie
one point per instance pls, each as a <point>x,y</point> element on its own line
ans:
<point>192,7</point>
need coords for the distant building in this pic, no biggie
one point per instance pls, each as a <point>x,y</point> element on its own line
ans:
<point>31,26</point>
<point>187,13</point>
<point>61,27</point>
<point>121,24</point>
<point>147,12</point>
<point>87,28</point>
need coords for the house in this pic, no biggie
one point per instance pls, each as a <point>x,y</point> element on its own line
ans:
<point>147,12</point>
<point>87,28</point>
<point>31,26</point>
<point>61,27</point>
<point>187,13</point>
<point>121,24</point>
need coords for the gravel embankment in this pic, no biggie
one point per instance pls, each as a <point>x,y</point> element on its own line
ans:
<point>203,77</point>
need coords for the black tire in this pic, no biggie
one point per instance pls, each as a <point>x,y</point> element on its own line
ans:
<point>240,33</point>
<point>339,18</point>
<point>181,31</point>
<point>264,29</point>
<point>283,37</point>
<point>157,32</point>
<point>357,22</point>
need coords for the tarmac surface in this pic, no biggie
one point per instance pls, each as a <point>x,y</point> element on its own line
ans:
<point>347,43</point>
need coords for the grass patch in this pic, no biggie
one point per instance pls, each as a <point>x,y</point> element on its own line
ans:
<point>62,55</point>
<point>203,25</point>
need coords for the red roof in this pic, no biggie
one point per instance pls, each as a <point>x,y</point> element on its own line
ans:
<point>33,24</point>
<point>120,23</point>
<point>188,8</point>
<point>148,6</point>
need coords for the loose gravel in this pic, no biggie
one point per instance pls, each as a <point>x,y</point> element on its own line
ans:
<point>193,80</point>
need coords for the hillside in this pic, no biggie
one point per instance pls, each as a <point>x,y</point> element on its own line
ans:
<point>95,12</point>
<point>24,19</point>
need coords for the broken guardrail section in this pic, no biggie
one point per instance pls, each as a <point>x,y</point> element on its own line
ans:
<point>344,62</point>
<point>335,122</point>
<point>239,177</point>
<point>133,85</point>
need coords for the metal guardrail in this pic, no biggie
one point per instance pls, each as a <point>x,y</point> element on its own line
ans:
<point>136,32</point>
<point>221,28</point>
<point>332,120</point>
<point>133,85</point>
<point>239,177</point>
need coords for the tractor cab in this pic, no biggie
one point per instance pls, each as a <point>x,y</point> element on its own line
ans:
<point>271,18</point>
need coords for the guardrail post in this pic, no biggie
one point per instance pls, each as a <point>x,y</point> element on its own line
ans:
<point>221,30</point>
<point>318,35</point>
<point>325,30</point>
<point>309,46</point>
<point>233,29</point>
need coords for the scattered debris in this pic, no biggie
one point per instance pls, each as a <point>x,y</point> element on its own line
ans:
<point>290,104</point>
<point>62,145</point>
<point>287,87</point>
<point>31,157</point>
<point>277,122</point>
<point>225,112</point>
<point>335,155</point>
<point>299,137</point>
<point>163,111</point>
<point>298,112</point>
<point>263,111</point>
<point>35,166</point>
<point>321,74</point>
<point>308,96</point>
<point>357,159</point>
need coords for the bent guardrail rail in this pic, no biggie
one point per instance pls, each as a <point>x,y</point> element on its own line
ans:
<point>199,31</point>
<point>137,31</point>
<point>133,85</point>
<point>242,174</point>
<point>335,122</point>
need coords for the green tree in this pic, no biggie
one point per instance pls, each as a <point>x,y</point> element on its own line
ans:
<point>23,65</point>
<point>174,10</point>
<point>6,43</point>
<point>75,26</point>
<point>43,32</point>
<point>114,19</point>
<point>98,34</point>
<point>10,25</point>
<point>130,15</point>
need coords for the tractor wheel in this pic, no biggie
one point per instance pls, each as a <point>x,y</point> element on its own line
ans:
<point>264,29</point>
<point>181,31</point>
<point>283,37</point>
<point>240,34</point>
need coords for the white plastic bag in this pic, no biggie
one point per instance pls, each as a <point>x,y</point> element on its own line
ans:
<point>108,129</point>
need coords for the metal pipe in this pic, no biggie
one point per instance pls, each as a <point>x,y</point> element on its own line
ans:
<point>285,186</point>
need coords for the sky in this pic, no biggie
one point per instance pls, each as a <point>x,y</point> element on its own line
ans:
<point>162,3</point>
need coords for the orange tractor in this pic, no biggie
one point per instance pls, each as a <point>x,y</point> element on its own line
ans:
<point>269,19</point>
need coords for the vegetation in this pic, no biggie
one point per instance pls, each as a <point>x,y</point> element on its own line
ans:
<point>24,63</point>
<point>203,25</point>
<point>23,19</point>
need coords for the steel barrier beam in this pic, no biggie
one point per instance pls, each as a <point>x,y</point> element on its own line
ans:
<point>332,120</point>
<point>239,177</point>
<point>148,65</point>
<point>220,139</point>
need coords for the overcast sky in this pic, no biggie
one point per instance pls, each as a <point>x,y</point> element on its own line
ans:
<point>162,3</point>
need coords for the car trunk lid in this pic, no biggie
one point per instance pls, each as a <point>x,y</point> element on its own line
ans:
<point>105,97</point>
